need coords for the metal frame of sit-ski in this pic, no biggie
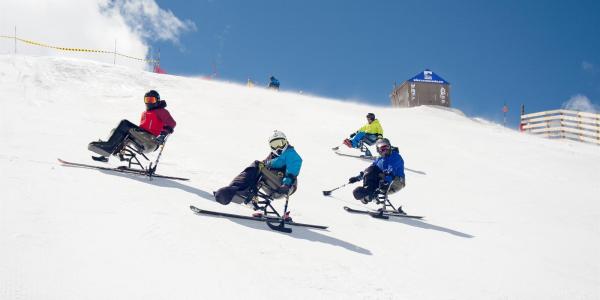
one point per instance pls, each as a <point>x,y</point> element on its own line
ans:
<point>363,148</point>
<point>269,212</point>
<point>129,154</point>
<point>382,199</point>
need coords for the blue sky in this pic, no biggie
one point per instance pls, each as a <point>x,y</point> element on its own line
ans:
<point>539,53</point>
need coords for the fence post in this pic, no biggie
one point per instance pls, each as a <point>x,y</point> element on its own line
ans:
<point>15,39</point>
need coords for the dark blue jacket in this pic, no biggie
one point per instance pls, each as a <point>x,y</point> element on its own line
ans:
<point>274,82</point>
<point>391,165</point>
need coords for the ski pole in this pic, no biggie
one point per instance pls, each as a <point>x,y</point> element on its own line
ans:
<point>152,169</point>
<point>327,193</point>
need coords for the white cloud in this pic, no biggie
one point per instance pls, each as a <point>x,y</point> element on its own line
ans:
<point>581,103</point>
<point>149,20</point>
<point>587,66</point>
<point>91,24</point>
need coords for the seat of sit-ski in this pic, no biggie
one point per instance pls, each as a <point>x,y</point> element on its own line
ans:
<point>271,181</point>
<point>369,140</point>
<point>142,141</point>
<point>268,184</point>
<point>396,185</point>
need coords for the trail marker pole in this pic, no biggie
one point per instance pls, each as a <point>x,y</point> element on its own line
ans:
<point>505,110</point>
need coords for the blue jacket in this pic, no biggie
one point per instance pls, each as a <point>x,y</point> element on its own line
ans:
<point>274,82</point>
<point>391,165</point>
<point>289,161</point>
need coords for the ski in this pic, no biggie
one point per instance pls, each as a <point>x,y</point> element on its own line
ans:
<point>268,220</point>
<point>370,158</point>
<point>380,215</point>
<point>119,169</point>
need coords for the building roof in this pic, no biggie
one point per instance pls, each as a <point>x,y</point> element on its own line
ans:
<point>428,76</point>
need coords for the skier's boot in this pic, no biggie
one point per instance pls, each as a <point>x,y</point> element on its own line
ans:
<point>102,148</point>
<point>362,194</point>
<point>348,143</point>
<point>100,158</point>
<point>225,194</point>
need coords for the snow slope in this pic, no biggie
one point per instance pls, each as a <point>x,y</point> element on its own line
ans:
<point>508,216</point>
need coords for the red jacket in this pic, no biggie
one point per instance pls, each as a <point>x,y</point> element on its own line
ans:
<point>157,120</point>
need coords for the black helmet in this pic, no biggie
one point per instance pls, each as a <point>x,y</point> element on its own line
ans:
<point>371,116</point>
<point>151,99</point>
<point>384,147</point>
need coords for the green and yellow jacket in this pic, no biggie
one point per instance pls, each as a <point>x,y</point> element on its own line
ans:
<point>373,128</point>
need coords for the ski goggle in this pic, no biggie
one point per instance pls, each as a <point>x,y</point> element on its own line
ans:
<point>383,148</point>
<point>150,100</point>
<point>278,144</point>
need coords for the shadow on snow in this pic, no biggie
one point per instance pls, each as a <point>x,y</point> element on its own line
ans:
<point>424,225</point>
<point>415,222</point>
<point>164,182</point>
<point>298,232</point>
<point>306,234</point>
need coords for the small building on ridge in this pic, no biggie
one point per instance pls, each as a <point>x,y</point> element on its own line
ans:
<point>426,88</point>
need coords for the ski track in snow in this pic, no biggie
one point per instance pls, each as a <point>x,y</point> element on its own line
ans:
<point>507,215</point>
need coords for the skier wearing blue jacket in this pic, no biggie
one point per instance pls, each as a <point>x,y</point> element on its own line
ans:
<point>280,171</point>
<point>385,174</point>
<point>273,83</point>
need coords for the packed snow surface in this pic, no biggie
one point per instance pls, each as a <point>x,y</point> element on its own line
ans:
<point>507,215</point>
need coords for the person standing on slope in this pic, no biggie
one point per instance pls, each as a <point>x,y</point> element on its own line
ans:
<point>279,170</point>
<point>273,83</point>
<point>385,174</point>
<point>368,134</point>
<point>156,123</point>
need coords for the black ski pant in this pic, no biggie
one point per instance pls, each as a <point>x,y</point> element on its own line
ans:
<point>247,178</point>
<point>119,134</point>
<point>373,178</point>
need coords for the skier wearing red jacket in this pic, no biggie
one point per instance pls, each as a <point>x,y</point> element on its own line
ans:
<point>155,125</point>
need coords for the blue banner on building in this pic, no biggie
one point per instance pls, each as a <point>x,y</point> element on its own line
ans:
<point>428,76</point>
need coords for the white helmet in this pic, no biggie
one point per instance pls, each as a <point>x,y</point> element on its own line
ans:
<point>278,142</point>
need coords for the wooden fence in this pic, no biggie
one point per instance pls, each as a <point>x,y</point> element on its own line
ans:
<point>564,124</point>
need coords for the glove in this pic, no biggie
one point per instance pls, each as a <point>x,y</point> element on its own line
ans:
<point>356,178</point>
<point>352,134</point>
<point>259,164</point>
<point>383,185</point>
<point>167,129</point>
<point>388,175</point>
<point>287,181</point>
